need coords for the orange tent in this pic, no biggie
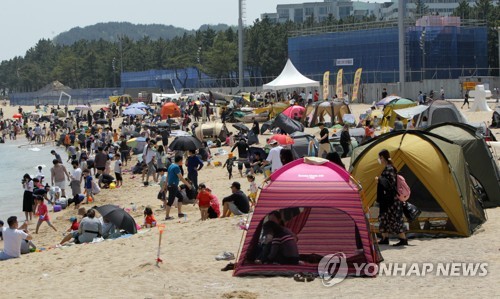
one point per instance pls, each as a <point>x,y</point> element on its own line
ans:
<point>170,109</point>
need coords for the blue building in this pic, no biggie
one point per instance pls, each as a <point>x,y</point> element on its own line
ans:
<point>450,52</point>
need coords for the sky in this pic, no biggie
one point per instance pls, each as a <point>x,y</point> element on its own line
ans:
<point>24,22</point>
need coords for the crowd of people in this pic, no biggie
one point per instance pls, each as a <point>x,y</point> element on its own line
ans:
<point>97,152</point>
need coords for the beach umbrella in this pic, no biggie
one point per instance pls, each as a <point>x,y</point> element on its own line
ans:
<point>140,105</point>
<point>17,115</point>
<point>266,126</point>
<point>61,113</point>
<point>83,107</point>
<point>241,127</point>
<point>185,143</point>
<point>282,139</point>
<point>118,216</point>
<point>132,142</point>
<point>163,124</point>
<point>133,111</point>
<point>102,121</point>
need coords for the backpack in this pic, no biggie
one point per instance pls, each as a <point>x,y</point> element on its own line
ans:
<point>403,190</point>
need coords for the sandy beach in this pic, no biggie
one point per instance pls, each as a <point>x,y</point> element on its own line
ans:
<point>125,268</point>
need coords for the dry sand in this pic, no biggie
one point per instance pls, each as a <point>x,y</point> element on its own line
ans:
<point>125,268</point>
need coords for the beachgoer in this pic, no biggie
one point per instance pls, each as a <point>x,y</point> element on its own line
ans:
<point>286,156</point>
<point>252,196</point>
<point>13,236</point>
<point>88,181</point>
<point>335,158</point>
<point>43,213</point>
<point>118,170</point>
<point>203,199</point>
<point>324,143</point>
<point>28,201</point>
<point>345,140</point>
<point>466,100</point>
<point>273,158</point>
<point>58,157</point>
<point>90,228</point>
<point>390,208</point>
<point>174,176</point>
<point>194,164</point>
<point>58,175</point>
<point>283,248</point>
<point>237,203</point>
<point>149,218</point>
<point>76,182</point>
<point>243,150</point>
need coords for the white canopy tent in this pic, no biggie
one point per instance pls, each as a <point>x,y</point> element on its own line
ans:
<point>290,77</point>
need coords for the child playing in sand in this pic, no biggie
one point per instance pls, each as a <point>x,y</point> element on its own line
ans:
<point>118,171</point>
<point>149,218</point>
<point>229,164</point>
<point>88,185</point>
<point>42,213</point>
<point>74,225</point>
<point>203,199</point>
<point>253,189</point>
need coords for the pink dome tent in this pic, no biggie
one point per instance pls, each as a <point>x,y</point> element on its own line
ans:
<point>322,206</point>
<point>293,111</point>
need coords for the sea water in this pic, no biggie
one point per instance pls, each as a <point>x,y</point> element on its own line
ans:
<point>14,163</point>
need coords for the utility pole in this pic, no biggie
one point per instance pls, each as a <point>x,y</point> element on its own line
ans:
<point>401,43</point>
<point>241,79</point>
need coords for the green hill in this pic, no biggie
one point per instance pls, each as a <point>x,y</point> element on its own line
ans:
<point>111,31</point>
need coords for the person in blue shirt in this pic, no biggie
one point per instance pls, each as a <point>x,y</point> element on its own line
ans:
<point>194,164</point>
<point>174,176</point>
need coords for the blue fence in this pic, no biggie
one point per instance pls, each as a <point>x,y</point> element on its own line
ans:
<point>78,96</point>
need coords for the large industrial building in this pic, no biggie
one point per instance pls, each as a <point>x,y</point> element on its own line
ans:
<point>432,52</point>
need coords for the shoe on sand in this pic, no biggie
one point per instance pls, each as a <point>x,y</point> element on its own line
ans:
<point>225,256</point>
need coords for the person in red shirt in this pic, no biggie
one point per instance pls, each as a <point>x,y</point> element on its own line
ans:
<point>74,225</point>
<point>204,198</point>
<point>149,218</point>
<point>43,213</point>
<point>316,96</point>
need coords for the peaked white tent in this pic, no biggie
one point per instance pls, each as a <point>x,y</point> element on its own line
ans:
<point>290,77</point>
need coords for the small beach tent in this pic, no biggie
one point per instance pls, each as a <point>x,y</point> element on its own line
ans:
<point>290,77</point>
<point>302,146</point>
<point>170,109</point>
<point>481,163</point>
<point>316,112</point>
<point>390,114</point>
<point>322,207</point>
<point>436,171</point>
<point>286,124</point>
<point>441,111</point>
<point>211,131</point>
<point>295,111</point>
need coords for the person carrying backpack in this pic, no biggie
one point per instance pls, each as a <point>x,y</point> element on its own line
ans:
<point>390,207</point>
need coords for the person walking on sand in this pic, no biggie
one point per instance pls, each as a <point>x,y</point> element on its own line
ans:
<point>57,176</point>
<point>466,101</point>
<point>194,164</point>
<point>174,176</point>
<point>390,207</point>
<point>324,143</point>
<point>43,213</point>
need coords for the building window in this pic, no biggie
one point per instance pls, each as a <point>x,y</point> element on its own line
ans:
<point>298,15</point>
<point>283,14</point>
<point>323,10</point>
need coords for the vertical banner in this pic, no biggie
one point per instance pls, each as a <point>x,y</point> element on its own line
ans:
<point>340,88</point>
<point>326,83</point>
<point>355,88</point>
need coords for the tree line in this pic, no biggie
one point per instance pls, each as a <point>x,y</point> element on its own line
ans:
<point>98,63</point>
